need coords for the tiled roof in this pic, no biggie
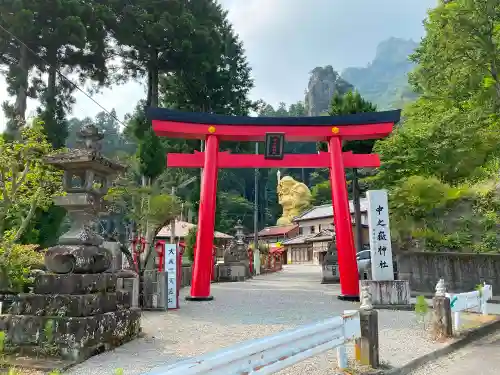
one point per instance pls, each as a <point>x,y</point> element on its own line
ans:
<point>297,240</point>
<point>182,229</point>
<point>277,230</point>
<point>326,210</point>
<point>324,235</point>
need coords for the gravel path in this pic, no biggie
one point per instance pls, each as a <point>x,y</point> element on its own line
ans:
<point>253,309</point>
<point>479,358</point>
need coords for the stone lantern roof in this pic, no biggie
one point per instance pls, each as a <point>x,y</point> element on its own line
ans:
<point>86,157</point>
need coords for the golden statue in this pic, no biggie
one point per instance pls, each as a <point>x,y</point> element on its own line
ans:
<point>294,197</point>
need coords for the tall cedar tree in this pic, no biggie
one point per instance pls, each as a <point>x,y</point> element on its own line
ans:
<point>18,18</point>
<point>215,78</point>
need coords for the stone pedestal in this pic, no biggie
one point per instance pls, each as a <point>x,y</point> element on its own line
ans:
<point>442,324</point>
<point>388,293</point>
<point>116,255</point>
<point>367,346</point>
<point>236,266</point>
<point>128,281</point>
<point>155,290</point>
<point>233,272</point>
<point>87,316</point>
<point>330,274</point>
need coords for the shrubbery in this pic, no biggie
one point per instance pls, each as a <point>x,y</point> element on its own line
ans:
<point>428,214</point>
<point>16,263</point>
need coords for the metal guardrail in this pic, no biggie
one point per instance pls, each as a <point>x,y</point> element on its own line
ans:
<point>475,301</point>
<point>274,353</point>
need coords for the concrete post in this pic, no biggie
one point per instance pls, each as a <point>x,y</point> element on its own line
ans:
<point>442,326</point>
<point>367,347</point>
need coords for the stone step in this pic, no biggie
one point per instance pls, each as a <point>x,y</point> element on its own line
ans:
<point>74,283</point>
<point>63,305</point>
<point>74,338</point>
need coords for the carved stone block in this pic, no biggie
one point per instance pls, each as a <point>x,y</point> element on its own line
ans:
<point>75,338</point>
<point>63,304</point>
<point>77,259</point>
<point>391,292</point>
<point>74,283</point>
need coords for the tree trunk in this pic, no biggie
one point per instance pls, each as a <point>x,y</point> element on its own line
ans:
<point>22,89</point>
<point>150,88</point>
<point>52,88</point>
<point>153,81</point>
<point>358,233</point>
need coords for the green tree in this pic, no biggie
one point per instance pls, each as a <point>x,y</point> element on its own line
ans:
<point>21,34</point>
<point>321,193</point>
<point>459,56</point>
<point>231,208</point>
<point>344,104</point>
<point>442,165</point>
<point>78,43</point>
<point>148,207</point>
<point>190,243</point>
<point>26,182</point>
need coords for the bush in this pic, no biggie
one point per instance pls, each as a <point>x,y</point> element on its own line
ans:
<point>16,263</point>
<point>190,242</point>
<point>431,215</point>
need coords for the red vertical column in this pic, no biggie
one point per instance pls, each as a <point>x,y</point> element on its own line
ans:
<point>348,267</point>
<point>203,264</point>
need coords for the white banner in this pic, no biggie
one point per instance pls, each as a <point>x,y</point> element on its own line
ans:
<point>380,235</point>
<point>171,269</point>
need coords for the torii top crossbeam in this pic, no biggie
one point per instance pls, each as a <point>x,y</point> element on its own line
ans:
<point>177,124</point>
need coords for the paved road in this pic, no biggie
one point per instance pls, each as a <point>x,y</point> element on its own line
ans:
<point>479,358</point>
<point>252,309</point>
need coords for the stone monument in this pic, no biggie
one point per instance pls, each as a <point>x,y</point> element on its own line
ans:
<point>330,267</point>
<point>294,197</point>
<point>76,297</point>
<point>236,265</point>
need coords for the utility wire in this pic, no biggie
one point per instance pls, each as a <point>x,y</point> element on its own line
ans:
<point>62,75</point>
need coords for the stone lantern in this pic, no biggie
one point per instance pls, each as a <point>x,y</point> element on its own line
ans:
<point>87,178</point>
<point>239,233</point>
<point>236,265</point>
<point>84,304</point>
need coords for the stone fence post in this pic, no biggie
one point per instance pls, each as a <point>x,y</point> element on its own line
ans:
<point>441,314</point>
<point>367,347</point>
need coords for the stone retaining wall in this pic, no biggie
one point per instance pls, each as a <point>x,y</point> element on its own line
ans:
<point>462,272</point>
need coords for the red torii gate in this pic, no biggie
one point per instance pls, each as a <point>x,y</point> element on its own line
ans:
<point>215,128</point>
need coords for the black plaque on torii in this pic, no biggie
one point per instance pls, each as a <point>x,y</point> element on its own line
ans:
<point>275,146</point>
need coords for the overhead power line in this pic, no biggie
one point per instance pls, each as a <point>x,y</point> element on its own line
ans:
<point>62,75</point>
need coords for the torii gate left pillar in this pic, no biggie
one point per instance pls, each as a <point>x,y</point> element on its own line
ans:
<point>203,265</point>
<point>214,128</point>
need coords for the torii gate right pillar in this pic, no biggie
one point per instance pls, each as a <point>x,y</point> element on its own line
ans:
<point>348,267</point>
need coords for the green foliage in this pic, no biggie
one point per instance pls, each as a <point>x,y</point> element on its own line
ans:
<point>321,193</point>
<point>149,207</point>
<point>421,308</point>
<point>352,103</point>
<point>190,242</point>
<point>442,166</point>
<point>115,145</point>
<point>16,262</point>
<point>231,208</point>
<point>342,104</point>
<point>27,184</point>
<point>2,342</point>
<point>479,288</point>
<point>432,215</point>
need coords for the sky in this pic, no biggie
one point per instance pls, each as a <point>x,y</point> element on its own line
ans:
<point>284,41</point>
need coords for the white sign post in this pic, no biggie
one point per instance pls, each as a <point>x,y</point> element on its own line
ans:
<point>380,235</point>
<point>171,269</point>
